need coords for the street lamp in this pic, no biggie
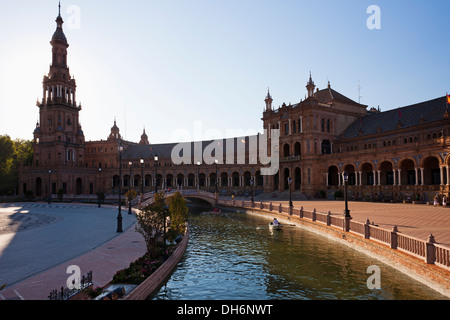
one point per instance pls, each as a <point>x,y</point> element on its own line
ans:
<point>98,189</point>
<point>129,189</point>
<point>346,211</point>
<point>216,162</point>
<point>156,173</point>
<point>290,191</point>
<point>252,183</point>
<point>142,174</point>
<point>119,216</point>
<point>165,212</point>
<point>198,175</point>
<point>49,188</point>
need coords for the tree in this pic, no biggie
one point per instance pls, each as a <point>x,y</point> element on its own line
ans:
<point>151,220</point>
<point>151,224</point>
<point>179,212</point>
<point>7,153</point>
<point>12,155</point>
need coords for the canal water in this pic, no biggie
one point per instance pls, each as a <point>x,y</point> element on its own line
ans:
<point>235,256</point>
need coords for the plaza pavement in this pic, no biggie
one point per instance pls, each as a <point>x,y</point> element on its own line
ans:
<point>38,242</point>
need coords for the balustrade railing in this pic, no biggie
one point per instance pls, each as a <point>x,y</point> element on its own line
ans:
<point>431,252</point>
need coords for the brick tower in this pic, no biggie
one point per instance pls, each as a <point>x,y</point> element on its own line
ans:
<point>58,137</point>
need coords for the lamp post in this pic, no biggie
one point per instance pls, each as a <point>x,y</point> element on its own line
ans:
<point>165,211</point>
<point>119,216</point>
<point>49,187</point>
<point>98,189</point>
<point>252,183</point>
<point>347,217</point>
<point>346,211</point>
<point>216,162</point>
<point>198,175</point>
<point>290,191</point>
<point>156,173</point>
<point>129,189</point>
<point>142,174</point>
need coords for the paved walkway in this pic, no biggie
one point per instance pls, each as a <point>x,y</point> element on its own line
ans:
<point>416,220</point>
<point>38,242</point>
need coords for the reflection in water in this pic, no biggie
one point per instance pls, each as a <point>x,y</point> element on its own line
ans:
<point>236,256</point>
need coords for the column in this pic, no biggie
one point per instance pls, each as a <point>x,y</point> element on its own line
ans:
<point>421,177</point>
<point>301,125</point>
<point>326,178</point>
<point>379,177</point>
<point>339,178</point>
<point>441,173</point>
<point>374,178</point>
<point>399,177</point>
<point>290,130</point>
<point>417,176</point>
<point>394,173</point>
<point>360,178</point>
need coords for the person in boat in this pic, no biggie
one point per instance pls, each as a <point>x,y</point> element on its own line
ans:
<point>275,222</point>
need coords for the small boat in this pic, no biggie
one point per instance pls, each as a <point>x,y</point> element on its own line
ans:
<point>215,211</point>
<point>276,226</point>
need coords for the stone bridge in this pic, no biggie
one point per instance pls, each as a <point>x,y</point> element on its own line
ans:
<point>147,198</point>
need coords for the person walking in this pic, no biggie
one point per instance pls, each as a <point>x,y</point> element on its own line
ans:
<point>436,199</point>
<point>444,201</point>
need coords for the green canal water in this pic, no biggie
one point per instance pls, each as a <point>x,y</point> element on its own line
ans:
<point>236,256</point>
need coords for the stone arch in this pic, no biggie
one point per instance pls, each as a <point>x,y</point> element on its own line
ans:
<point>235,177</point>
<point>431,171</point>
<point>350,169</point>
<point>79,187</point>
<point>286,150</point>
<point>224,179</point>
<point>407,172</point>
<point>297,178</point>
<point>333,175</point>
<point>169,180</point>
<point>367,177</point>
<point>247,178</point>
<point>286,175</point>
<point>387,173</point>
<point>297,149</point>
<point>38,187</point>
<point>191,180</point>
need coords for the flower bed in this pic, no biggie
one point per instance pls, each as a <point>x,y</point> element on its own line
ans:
<point>141,269</point>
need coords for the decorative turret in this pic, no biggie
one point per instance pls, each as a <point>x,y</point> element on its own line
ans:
<point>115,132</point>
<point>268,101</point>
<point>310,86</point>
<point>144,139</point>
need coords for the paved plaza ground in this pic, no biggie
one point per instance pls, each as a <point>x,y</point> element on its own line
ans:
<point>39,241</point>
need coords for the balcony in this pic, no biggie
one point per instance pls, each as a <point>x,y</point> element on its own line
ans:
<point>290,158</point>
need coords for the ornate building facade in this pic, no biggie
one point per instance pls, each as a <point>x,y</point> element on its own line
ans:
<point>397,154</point>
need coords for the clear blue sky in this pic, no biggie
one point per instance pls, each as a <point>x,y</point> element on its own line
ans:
<point>170,64</point>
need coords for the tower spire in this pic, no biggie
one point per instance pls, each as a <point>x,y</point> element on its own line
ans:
<point>59,7</point>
